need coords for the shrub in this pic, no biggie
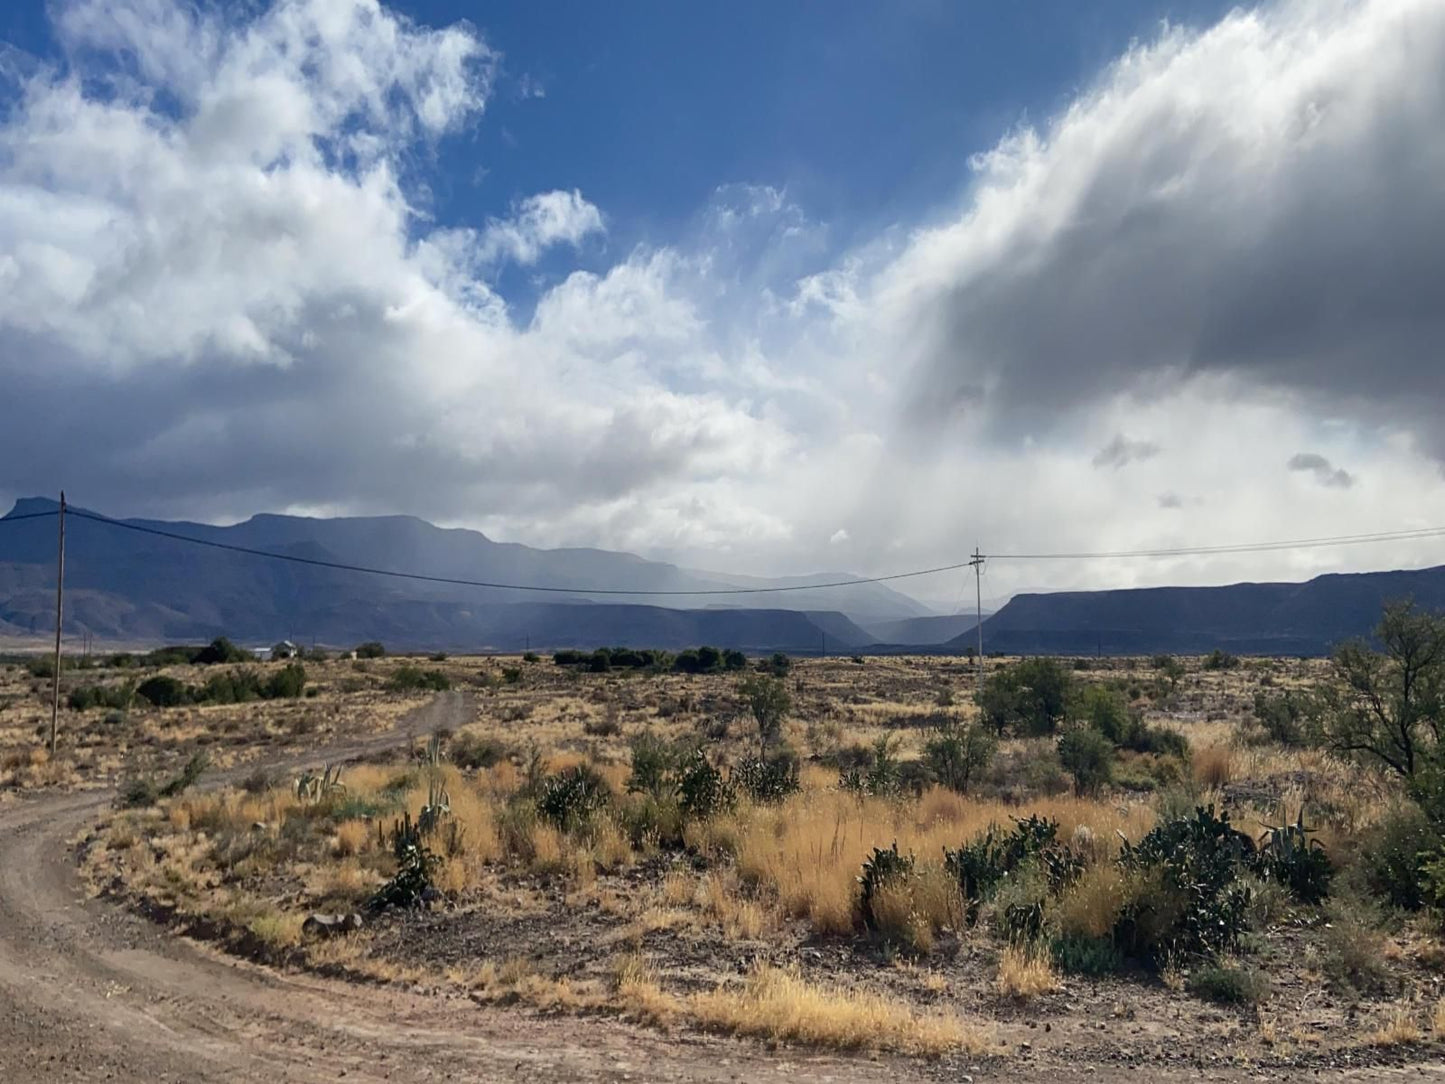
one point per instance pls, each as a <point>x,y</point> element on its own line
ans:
<point>981,864</point>
<point>40,666</point>
<point>653,765</point>
<point>408,678</point>
<point>1282,716</point>
<point>1228,984</point>
<point>1188,901</point>
<point>879,773</point>
<point>1394,854</point>
<point>701,789</point>
<point>1028,698</point>
<point>115,697</point>
<point>1089,757</point>
<point>570,798</point>
<point>778,664</point>
<point>473,751</point>
<point>1290,858</point>
<point>221,650</point>
<point>959,753</point>
<point>1219,660</point>
<point>1354,956</point>
<point>531,656</point>
<point>511,675</point>
<point>287,683</point>
<point>768,779</point>
<point>1079,954</point>
<point>162,691</point>
<point>882,868</point>
<point>769,703</point>
<point>372,649</point>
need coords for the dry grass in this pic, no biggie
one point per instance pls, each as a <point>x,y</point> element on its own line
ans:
<point>1399,1027</point>
<point>780,1005</point>
<point>1025,973</point>
<point>1090,906</point>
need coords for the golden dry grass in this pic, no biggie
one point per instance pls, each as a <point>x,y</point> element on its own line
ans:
<point>780,1005</point>
<point>1399,1027</point>
<point>1025,973</point>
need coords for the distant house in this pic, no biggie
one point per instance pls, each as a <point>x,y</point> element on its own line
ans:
<point>284,650</point>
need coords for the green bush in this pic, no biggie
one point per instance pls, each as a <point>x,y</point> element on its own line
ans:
<point>1291,859</point>
<point>958,754</point>
<point>881,868</point>
<point>288,683</point>
<point>473,751</point>
<point>1081,955</point>
<point>1228,985</point>
<point>1089,757</point>
<point>220,651</point>
<point>768,779</point>
<point>162,691</point>
<point>1394,854</point>
<point>1282,716</point>
<point>1219,660</point>
<point>115,697</point>
<point>372,649</point>
<point>1027,699</point>
<point>981,864</point>
<point>1192,903</point>
<point>877,772</point>
<point>654,763</point>
<point>701,789</point>
<point>570,798</point>
<point>409,678</point>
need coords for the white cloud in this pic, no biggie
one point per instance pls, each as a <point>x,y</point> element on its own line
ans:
<point>541,221</point>
<point>221,292</point>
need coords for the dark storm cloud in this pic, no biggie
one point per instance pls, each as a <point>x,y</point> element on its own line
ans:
<point>1261,202</point>
<point>1325,472</point>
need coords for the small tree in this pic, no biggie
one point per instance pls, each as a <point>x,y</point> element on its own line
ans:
<point>372,649</point>
<point>958,753</point>
<point>1029,697</point>
<point>1089,757</point>
<point>1387,707</point>
<point>768,701</point>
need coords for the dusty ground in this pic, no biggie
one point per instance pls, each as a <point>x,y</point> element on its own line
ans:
<point>88,990</point>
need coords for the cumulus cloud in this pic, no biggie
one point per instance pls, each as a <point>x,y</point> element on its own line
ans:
<point>541,221</point>
<point>1325,472</point>
<point>1121,451</point>
<point>222,290</point>
<point>1258,201</point>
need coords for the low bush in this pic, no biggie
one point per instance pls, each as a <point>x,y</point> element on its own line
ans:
<point>701,789</point>
<point>472,751</point>
<point>408,678</point>
<point>1394,854</point>
<point>1219,660</point>
<point>768,779</point>
<point>1082,955</point>
<point>1228,984</point>
<point>570,798</point>
<point>115,697</point>
<point>163,691</point>
<point>1283,716</point>
<point>372,649</point>
<point>958,754</point>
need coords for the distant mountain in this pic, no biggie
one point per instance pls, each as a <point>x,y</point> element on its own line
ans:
<point>1252,618</point>
<point>919,631</point>
<point>127,585</point>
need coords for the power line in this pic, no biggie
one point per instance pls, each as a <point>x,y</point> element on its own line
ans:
<point>29,515</point>
<point>341,566</point>
<point>458,582</point>
<point>1242,547</point>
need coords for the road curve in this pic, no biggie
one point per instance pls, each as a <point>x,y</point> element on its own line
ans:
<point>91,991</point>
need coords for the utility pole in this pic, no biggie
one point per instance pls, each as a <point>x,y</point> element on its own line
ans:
<point>59,610</point>
<point>977,564</point>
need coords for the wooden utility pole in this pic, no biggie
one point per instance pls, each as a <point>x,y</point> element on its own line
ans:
<point>59,611</point>
<point>977,563</point>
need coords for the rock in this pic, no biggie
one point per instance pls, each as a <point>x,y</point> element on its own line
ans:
<point>260,826</point>
<point>331,925</point>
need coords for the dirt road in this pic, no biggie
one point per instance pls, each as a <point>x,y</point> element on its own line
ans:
<point>89,991</point>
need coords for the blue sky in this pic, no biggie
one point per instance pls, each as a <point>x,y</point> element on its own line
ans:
<point>865,113</point>
<point>763,287</point>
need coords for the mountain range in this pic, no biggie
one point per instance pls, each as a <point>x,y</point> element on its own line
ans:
<point>135,586</point>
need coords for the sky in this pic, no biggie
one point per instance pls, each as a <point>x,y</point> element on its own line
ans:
<point>754,287</point>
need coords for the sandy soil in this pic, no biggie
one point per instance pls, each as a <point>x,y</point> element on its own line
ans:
<point>90,991</point>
